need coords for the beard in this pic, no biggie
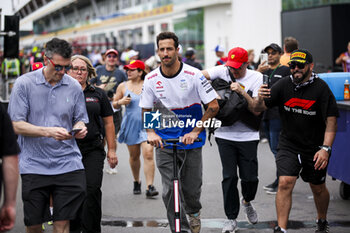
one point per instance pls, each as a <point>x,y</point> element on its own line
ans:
<point>305,75</point>
<point>170,62</point>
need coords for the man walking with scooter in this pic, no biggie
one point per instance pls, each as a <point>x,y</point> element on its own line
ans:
<point>176,90</point>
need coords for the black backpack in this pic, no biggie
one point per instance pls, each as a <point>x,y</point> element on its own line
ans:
<point>231,104</point>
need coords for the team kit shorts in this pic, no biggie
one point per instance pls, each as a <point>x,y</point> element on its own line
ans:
<point>293,164</point>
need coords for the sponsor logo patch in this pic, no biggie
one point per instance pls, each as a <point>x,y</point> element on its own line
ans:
<point>299,54</point>
<point>189,72</point>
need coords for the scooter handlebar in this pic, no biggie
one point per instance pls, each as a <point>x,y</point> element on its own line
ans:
<point>176,140</point>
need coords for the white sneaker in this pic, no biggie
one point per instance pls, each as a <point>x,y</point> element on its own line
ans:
<point>250,212</point>
<point>230,225</point>
<point>111,170</point>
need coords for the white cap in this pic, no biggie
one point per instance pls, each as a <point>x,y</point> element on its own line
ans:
<point>219,48</point>
<point>127,55</point>
<point>132,53</point>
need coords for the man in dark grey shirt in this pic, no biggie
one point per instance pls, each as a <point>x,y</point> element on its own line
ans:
<point>108,78</point>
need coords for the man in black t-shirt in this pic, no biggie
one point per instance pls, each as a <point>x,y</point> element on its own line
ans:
<point>309,114</point>
<point>9,151</point>
<point>273,72</point>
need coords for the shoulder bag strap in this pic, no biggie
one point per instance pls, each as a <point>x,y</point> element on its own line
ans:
<point>231,75</point>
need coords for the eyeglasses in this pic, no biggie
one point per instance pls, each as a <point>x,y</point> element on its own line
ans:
<point>76,70</point>
<point>301,66</point>
<point>111,56</point>
<point>59,67</point>
<point>236,69</point>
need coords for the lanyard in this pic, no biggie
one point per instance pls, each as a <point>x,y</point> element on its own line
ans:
<point>274,71</point>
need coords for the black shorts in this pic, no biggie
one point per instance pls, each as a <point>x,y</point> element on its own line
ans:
<point>293,164</point>
<point>68,191</point>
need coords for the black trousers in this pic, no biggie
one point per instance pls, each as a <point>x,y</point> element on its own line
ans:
<point>244,156</point>
<point>91,213</point>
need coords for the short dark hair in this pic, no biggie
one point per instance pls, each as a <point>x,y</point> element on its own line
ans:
<point>290,44</point>
<point>168,35</point>
<point>58,46</point>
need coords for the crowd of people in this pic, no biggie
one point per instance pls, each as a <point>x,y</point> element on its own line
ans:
<point>63,142</point>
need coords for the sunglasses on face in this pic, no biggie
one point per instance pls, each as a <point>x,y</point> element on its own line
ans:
<point>59,67</point>
<point>111,56</point>
<point>301,66</point>
<point>272,53</point>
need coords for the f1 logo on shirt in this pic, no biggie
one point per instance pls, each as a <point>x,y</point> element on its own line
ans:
<point>296,102</point>
<point>300,106</point>
<point>151,120</point>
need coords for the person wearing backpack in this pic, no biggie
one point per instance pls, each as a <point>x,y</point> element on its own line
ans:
<point>237,143</point>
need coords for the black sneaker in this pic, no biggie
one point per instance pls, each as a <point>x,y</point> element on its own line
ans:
<point>271,186</point>
<point>137,187</point>
<point>151,191</point>
<point>277,229</point>
<point>322,226</point>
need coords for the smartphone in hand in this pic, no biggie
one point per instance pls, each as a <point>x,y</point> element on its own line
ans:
<point>263,58</point>
<point>266,80</point>
<point>74,131</point>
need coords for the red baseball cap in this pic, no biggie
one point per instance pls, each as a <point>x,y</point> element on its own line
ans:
<point>135,64</point>
<point>37,65</point>
<point>236,57</point>
<point>111,51</point>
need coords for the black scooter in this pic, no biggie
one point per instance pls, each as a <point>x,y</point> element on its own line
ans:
<point>174,142</point>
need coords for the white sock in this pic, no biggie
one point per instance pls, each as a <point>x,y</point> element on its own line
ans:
<point>284,230</point>
<point>51,210</point>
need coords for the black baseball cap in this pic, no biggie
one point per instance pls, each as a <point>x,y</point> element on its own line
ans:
<point>190,52</point>
<point>273,46</point>
<point>301,56</point>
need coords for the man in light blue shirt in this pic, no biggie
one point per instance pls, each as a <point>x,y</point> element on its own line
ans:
<point>45,105</point>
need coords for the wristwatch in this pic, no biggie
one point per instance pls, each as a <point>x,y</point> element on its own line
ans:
<point>326,148</point>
